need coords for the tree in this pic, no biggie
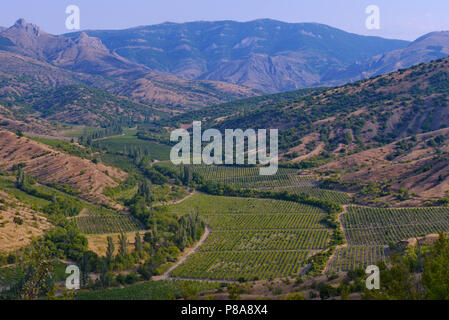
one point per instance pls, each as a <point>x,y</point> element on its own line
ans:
<point>435,276</point>
<point>110,250</point>
<point>123,245</point>
<point>21,180</point>
<point>138,243</point>
<point>145,190</point>
<point>37,267</point>
<point>84,268</point>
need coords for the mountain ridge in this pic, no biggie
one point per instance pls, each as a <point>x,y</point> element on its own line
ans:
<point>264,54</point>
<point>431,46</point>
<point>93,64</point>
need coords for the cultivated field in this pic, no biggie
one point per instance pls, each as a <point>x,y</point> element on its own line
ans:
<point>370,231</point>
<point>98,220</point>
<point>284,180</point>
<point>356,257</point>
<point>382,226</point>
<point>107,224</point>
<point>252,238</point>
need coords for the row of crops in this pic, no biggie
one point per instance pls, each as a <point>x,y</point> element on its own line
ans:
<point>235,265</point>
<point>382,226</point>
<point>356,257</point>
<point>101,224</point>
<point>249,177</point>
<point>222,173</point>
<point>262,221</point>
<point>270,182</point>
<point>252,238</point>
<point>322,194</point>
<point>207,204</point>
<point>284,180</point>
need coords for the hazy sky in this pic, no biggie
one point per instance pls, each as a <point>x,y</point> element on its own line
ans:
<point>402,19</point>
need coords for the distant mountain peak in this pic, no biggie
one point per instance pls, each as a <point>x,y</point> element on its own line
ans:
<point>83,35</point>
<point>28,27</point>
<point>90,42</point>
<point>21,23</point>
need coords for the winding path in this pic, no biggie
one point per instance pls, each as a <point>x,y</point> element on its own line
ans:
<point>340,225</point>
<point>187,253</point>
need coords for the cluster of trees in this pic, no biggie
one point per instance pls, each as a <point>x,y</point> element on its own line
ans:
<point>35,271</point>
<point>35,268</point>
<point>418,273</point>
<point>59,205</point>
<point>112,130</point>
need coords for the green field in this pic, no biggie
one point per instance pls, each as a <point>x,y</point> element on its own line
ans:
<point>151,290</point>
<point>369,232</point>
<point>248,265</point>
<point>356,257</point>
<point>65,146</point>
<point>284,180</point>
<point>129,141</point>
<point>252,238</point>
<point>208,204</point>
<point>101,224</point>
<point>322,194</point>
<point>7,185</point>
<point>99,220</point>
<point>382,226</point>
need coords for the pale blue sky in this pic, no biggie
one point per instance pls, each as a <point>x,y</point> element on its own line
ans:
<point>402,19</point>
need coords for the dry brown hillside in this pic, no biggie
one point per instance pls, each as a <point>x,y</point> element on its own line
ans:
<point>18,224</point>
<point>421,166</point>
<point>48,165</point>
<point>10,122</point>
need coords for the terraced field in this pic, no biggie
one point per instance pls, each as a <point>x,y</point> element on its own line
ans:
<point>284,180</point>
<point>382,226</point>
<point>235,265</point>
<point>252,238</point>
<point>207,204</point>
<point>356,257</point>
<point>370,231</point>
<point>331,195</point>
<point>98,220</point>
<point>101,224</point>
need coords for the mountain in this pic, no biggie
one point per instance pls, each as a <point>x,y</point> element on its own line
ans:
<point>429,47</point>
<point>376,110</point>
<point>391,129</point>
<point>26,50</point>
<point>32,91</point>
<point>83,54</point>
<point>267,55</point>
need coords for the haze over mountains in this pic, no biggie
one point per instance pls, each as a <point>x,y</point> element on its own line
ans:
<point>267,55</point>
